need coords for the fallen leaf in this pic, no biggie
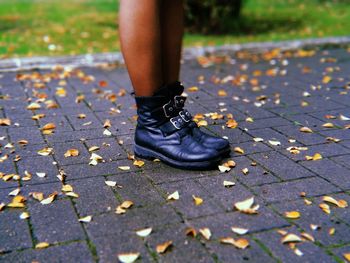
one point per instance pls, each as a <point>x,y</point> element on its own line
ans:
<point>245,204</point>
<point>326,79</point>
<point>328,125</point>
<point>128,257</point>
<point>205,232</point>
<point>162,248</point>
<point>45,151</point>
<point>290,238</point>
<point>95,159</point>
<point>85,219</point>
<point>174,196</point>
<point>238,150</point>
<point>124,168</point>
<point>107,124</point>
<point>292,214</point>
<point>33,106</point>
<point>144,232</point>
<point>258,139</point>
<point>340,203</point>
<point>197,200</point>
<point>15,192</point>
<point>239,230</point>
<point>139,163</point>
<point>24,215</point>
<point>48,126</point>
<point>111,183</point>
<point>93,148</point>
<point>49,199</point>
<point>5,122</point>
<point>306,130</point>
<point>67,188</point>
<point>308,236</point>
<point>107,132</point>
<point>245,171</point>
<point>274,143</point>
<point>231,123</point>
<point>224,169</point>
<point>191,232</point>
<point>228,183</point>
<point>331,231</point>
<point>315,157</point>
<point>42,245</point>
<point>71,153</point>
<point>325,208</point>
<point>347,256</point>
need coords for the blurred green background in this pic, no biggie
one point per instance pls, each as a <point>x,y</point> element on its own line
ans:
<point>70,27</point>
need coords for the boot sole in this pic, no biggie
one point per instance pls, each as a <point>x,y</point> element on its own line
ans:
<point>149,154</point>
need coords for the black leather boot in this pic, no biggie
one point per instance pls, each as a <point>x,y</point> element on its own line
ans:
<point>219,144</point>
<point>163,134</point>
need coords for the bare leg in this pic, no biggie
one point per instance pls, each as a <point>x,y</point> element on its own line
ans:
<point>140,37</point>
<point>172,28</point>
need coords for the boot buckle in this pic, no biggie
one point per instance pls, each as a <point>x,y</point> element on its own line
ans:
<point>168,109</point>
<point>176,122</point>
<point>185,115</point>
<point>179,101</point>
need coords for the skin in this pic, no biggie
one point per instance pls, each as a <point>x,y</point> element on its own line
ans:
<point>151,39</point>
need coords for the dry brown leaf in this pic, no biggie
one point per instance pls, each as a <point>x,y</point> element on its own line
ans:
<point>191,232</point>
<point>5,122</point>
<point>162,248</point>
<point>71,153</point>
<point>231,123</point>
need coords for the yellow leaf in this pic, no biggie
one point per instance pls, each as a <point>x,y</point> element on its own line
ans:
<point>245,171</point>
<point>238,150</point>
<point>222,93</point>
<point>48,126</point>
<point>202,123</point>
<point>306,129</point>
<point>139,163</point>
<point>331,231</point>
<point>45,151</point>
<point>71,153</point>
<point>67,188</point>
<point>290,238</point>
<point>241,243</point>
<point>224,169</point>
<point>107,124</point>
<point>244,205</point>
<point>72,194</point>
<point>42,245</point>
<point>127,204</point>
<point>308,236</point>
<point>328,125</point>
<point>326,79</point>
<point>340,203</point>
<point>292,214</point>
<point>197,200</point>
<point>325,208</point>
<point>205,232</point>
<point>33,106</point>
<point>347,256</point>
<point>192,89</point>
<point>49,199</point>
<point>93,148</point>
<point>128,257</point>
<point>231,123</point>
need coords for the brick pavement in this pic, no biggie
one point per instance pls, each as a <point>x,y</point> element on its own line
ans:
<point>270,94</point>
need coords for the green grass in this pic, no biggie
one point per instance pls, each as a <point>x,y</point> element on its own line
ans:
<point>61,27</point>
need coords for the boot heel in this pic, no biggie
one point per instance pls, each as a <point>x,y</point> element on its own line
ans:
<point>143,153</point>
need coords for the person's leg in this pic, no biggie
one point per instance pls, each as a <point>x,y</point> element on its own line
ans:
<point>172,28</point>
<point>140,37</point>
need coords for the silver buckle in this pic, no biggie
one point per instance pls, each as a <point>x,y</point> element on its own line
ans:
<point>175,121</point>
<point>179,101</point>
<point>165,109</point>
<point>185,115</point>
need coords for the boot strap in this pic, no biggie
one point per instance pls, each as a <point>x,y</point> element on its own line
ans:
<point>174,124</point>
<point>179,101</point>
